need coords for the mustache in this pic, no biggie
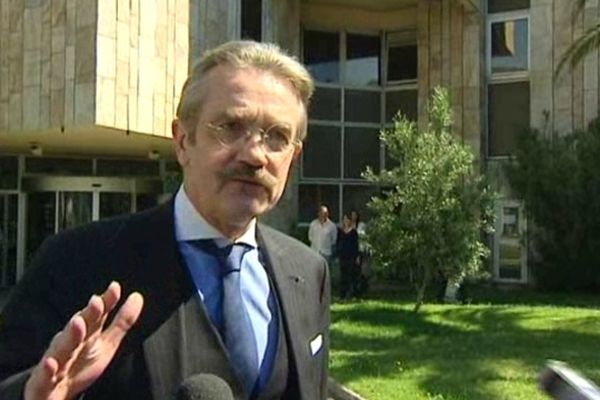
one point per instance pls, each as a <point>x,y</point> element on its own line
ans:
<point>245,171</point>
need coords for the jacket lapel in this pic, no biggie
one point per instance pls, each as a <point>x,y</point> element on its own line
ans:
<point>283,268</point>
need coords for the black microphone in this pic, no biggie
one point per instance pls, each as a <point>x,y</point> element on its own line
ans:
<point>563,383</point>
<point>204,387</point>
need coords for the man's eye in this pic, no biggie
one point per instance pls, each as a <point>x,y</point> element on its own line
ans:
<point>234,126</point>
<point>280,134</point>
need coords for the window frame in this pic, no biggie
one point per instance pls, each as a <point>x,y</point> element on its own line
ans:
<point>503,77</point>
<point>343,86</point>
<point>388,42</point>
<point>506,17</point>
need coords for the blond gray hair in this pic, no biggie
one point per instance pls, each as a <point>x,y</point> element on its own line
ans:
<point>242,54</point>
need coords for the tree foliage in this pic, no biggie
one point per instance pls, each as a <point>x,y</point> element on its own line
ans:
<point>557,176</point>
<point>434,204</point>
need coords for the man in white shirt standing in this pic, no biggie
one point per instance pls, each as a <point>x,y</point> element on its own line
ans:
<point>322,234</point>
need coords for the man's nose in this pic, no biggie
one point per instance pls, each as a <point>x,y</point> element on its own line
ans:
<point>253,151</point>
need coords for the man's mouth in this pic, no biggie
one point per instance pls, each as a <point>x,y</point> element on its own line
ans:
<point>247,181</point>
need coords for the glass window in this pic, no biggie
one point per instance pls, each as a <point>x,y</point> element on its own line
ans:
<point>9,172</point>
<point>389,161</point>
<point>312,196</point>
<point>510,46</point>
<point>251,23</point>
<point>363,60</point>
<point>362,106</point>
<point>105,167</point>
<point>496,6</point>
<point>356,197</point>
<point>58,166</point>
<point>406,101</point>
<point>326,104</point>
<point>322,55</point>
<point>508,115</point>
<point>402,63</point>
<point>322,152</point>
<point>361,149</point>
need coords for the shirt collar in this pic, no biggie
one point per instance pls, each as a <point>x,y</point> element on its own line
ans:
<point>190,225</point>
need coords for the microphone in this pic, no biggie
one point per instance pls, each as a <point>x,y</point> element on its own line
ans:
<point>204,387</point>
<point>563,383</point>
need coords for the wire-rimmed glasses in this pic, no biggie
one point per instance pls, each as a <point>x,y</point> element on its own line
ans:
<point>275,139</point>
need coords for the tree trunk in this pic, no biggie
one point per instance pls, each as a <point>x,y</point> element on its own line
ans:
<point>420,297</point>
<point>421,286</point>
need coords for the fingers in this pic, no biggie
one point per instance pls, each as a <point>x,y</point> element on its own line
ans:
<point>124,320</point>
<point>111,296</point>
<point>42,380</point>
<point>82,325</point>
<point>51,369</point>
<point>66,342</point>
<point>99,307</point>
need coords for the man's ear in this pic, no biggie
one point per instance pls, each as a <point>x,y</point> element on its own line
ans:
<point>180,140</point>
<point>297,151</point>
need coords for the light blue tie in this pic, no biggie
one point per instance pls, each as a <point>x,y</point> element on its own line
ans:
<point>237,328</point>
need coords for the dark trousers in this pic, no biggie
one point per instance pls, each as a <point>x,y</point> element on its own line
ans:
<point>349,277</point>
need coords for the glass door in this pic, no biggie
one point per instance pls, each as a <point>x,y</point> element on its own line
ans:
<point>114,203</point>
<point>8,239</point>
<point>510,251</point>
<point>41,221</point>
<point>56,203</point>
<point>74,209</point>
<point>51,212</point>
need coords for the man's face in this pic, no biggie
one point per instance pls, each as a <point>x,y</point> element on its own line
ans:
<point>229,185</point>
<point>323,214</point>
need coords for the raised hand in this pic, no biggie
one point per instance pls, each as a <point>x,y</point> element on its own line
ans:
<point>79,354</point>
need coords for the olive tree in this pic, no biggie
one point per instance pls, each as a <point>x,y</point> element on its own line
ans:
<point>434,204</point>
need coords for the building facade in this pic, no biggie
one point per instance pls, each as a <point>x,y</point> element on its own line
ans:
<point>88,89</point>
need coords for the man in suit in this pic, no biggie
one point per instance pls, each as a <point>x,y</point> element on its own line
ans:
<point>164,309</point>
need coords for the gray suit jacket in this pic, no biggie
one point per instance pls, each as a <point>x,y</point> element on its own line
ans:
<point>173,338</point>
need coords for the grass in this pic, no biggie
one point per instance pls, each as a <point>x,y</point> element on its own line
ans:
<point>492,348</point>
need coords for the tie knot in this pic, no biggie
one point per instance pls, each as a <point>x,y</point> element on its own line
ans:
<point>230,257</point>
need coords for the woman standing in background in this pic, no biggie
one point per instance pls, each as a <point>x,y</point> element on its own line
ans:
<point>348,254</point>
<point>363,272</point>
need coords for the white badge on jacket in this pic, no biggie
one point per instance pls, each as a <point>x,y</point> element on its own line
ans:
<point>316,344</point>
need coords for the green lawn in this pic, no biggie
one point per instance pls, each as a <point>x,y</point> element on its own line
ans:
<point>490,349</point>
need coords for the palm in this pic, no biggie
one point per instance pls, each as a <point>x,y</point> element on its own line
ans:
<point>86,367</point>
<point>80,353</point>
<point>582,46</point>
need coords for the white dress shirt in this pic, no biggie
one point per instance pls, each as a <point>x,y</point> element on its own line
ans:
<point>322,236</point>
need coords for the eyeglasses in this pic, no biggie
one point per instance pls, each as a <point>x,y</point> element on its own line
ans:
<point>275,139</point>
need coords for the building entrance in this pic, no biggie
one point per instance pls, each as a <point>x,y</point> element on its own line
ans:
<point>8,238</point>
<point>54,204</point>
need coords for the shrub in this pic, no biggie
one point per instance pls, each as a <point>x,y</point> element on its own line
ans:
<point>557,177</point>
